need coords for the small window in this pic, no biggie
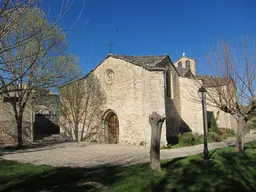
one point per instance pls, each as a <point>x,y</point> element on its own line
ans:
<point>211,120</point>
<point>167,83</point>
<point>171,86</point>
<point>187,64</point>
<point>179,64</point>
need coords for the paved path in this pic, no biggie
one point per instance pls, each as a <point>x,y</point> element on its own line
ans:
<point>94,155</point>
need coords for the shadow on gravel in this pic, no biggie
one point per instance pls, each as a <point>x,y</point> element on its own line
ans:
<point>42,146</point>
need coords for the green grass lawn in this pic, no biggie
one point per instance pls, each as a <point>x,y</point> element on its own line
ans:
<point>227,171</point>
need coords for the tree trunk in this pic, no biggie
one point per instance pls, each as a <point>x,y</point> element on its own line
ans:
<point>76,132</point>
<point>156,122</point>
<point>240,134</point>
<point>19,127</point>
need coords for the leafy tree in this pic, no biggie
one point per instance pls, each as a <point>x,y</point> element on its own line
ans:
<point>40,63</point>
<point>12,14</point>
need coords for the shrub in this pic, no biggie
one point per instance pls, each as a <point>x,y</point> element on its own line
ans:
<point>251,124</point>
<point>215,137</point>
<point>231,133</point>
<point>143,143</point>
<point>223,131</point>
<point>201,139</point>
<point>188,139</point>
<point>214,125</point>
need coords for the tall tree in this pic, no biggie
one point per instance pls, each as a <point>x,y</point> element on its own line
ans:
<point>234,89</point>
<point>12,13</point>
<point>40,63</point>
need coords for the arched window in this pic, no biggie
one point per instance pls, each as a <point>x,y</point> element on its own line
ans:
<point>179,64</point>
<point>187,64</point>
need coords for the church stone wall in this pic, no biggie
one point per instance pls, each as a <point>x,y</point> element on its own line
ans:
<point>133,94</point>
<point>176,89</point>
<point>224,120</point>
<point>173,108</point>
<point>8,127</point>
<point>155,100</point>
<point>191,108</point>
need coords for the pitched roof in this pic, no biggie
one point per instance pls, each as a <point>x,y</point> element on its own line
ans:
<point>148,62</point>
<point>152,63</point>
<point>210,81</point>
<point>185,58</point>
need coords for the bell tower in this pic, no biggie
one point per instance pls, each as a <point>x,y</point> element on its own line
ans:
<point>185,64</point>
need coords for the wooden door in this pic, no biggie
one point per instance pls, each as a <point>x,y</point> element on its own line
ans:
<point>113,129</point>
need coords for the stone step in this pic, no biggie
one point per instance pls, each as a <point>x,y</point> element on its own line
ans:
<point>54,137</point>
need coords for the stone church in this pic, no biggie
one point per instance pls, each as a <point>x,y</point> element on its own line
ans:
<point>136,86</point>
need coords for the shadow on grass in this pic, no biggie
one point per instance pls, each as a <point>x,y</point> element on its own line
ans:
<point>27,177</point>
<point>251,145</point>
<point>227,171</point>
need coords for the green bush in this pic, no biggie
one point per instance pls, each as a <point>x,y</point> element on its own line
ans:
<point>214,137</point>
<point>251,124</point>
<point>223,137</point>
<point>143,143</point>
<point>216,133</point>
<point>189,139</point>
<point>201,139</point>
<point>214,125</point>
<point>231,133</point>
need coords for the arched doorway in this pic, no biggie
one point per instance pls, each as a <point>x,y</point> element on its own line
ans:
<point>112,128</point>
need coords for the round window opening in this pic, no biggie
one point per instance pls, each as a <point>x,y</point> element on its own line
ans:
<point>109,76</point>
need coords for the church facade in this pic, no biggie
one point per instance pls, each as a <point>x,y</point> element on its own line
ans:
<point>136,86</point>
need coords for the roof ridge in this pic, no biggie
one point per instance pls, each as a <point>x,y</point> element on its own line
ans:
<point>147,61</point>
<point>162,55</point>
<point>184,57</point>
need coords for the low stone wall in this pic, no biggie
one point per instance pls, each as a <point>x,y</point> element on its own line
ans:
<point>8,126</point>
<point>8,132</point>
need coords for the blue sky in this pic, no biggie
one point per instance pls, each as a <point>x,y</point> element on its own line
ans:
<point>147,27</point>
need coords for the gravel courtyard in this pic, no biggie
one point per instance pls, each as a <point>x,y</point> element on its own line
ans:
<point>94,155</point>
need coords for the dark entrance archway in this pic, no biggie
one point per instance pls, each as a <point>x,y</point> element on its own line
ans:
<point>112,127</point>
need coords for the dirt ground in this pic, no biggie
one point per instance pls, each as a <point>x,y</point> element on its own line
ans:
<point>94,155</point>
